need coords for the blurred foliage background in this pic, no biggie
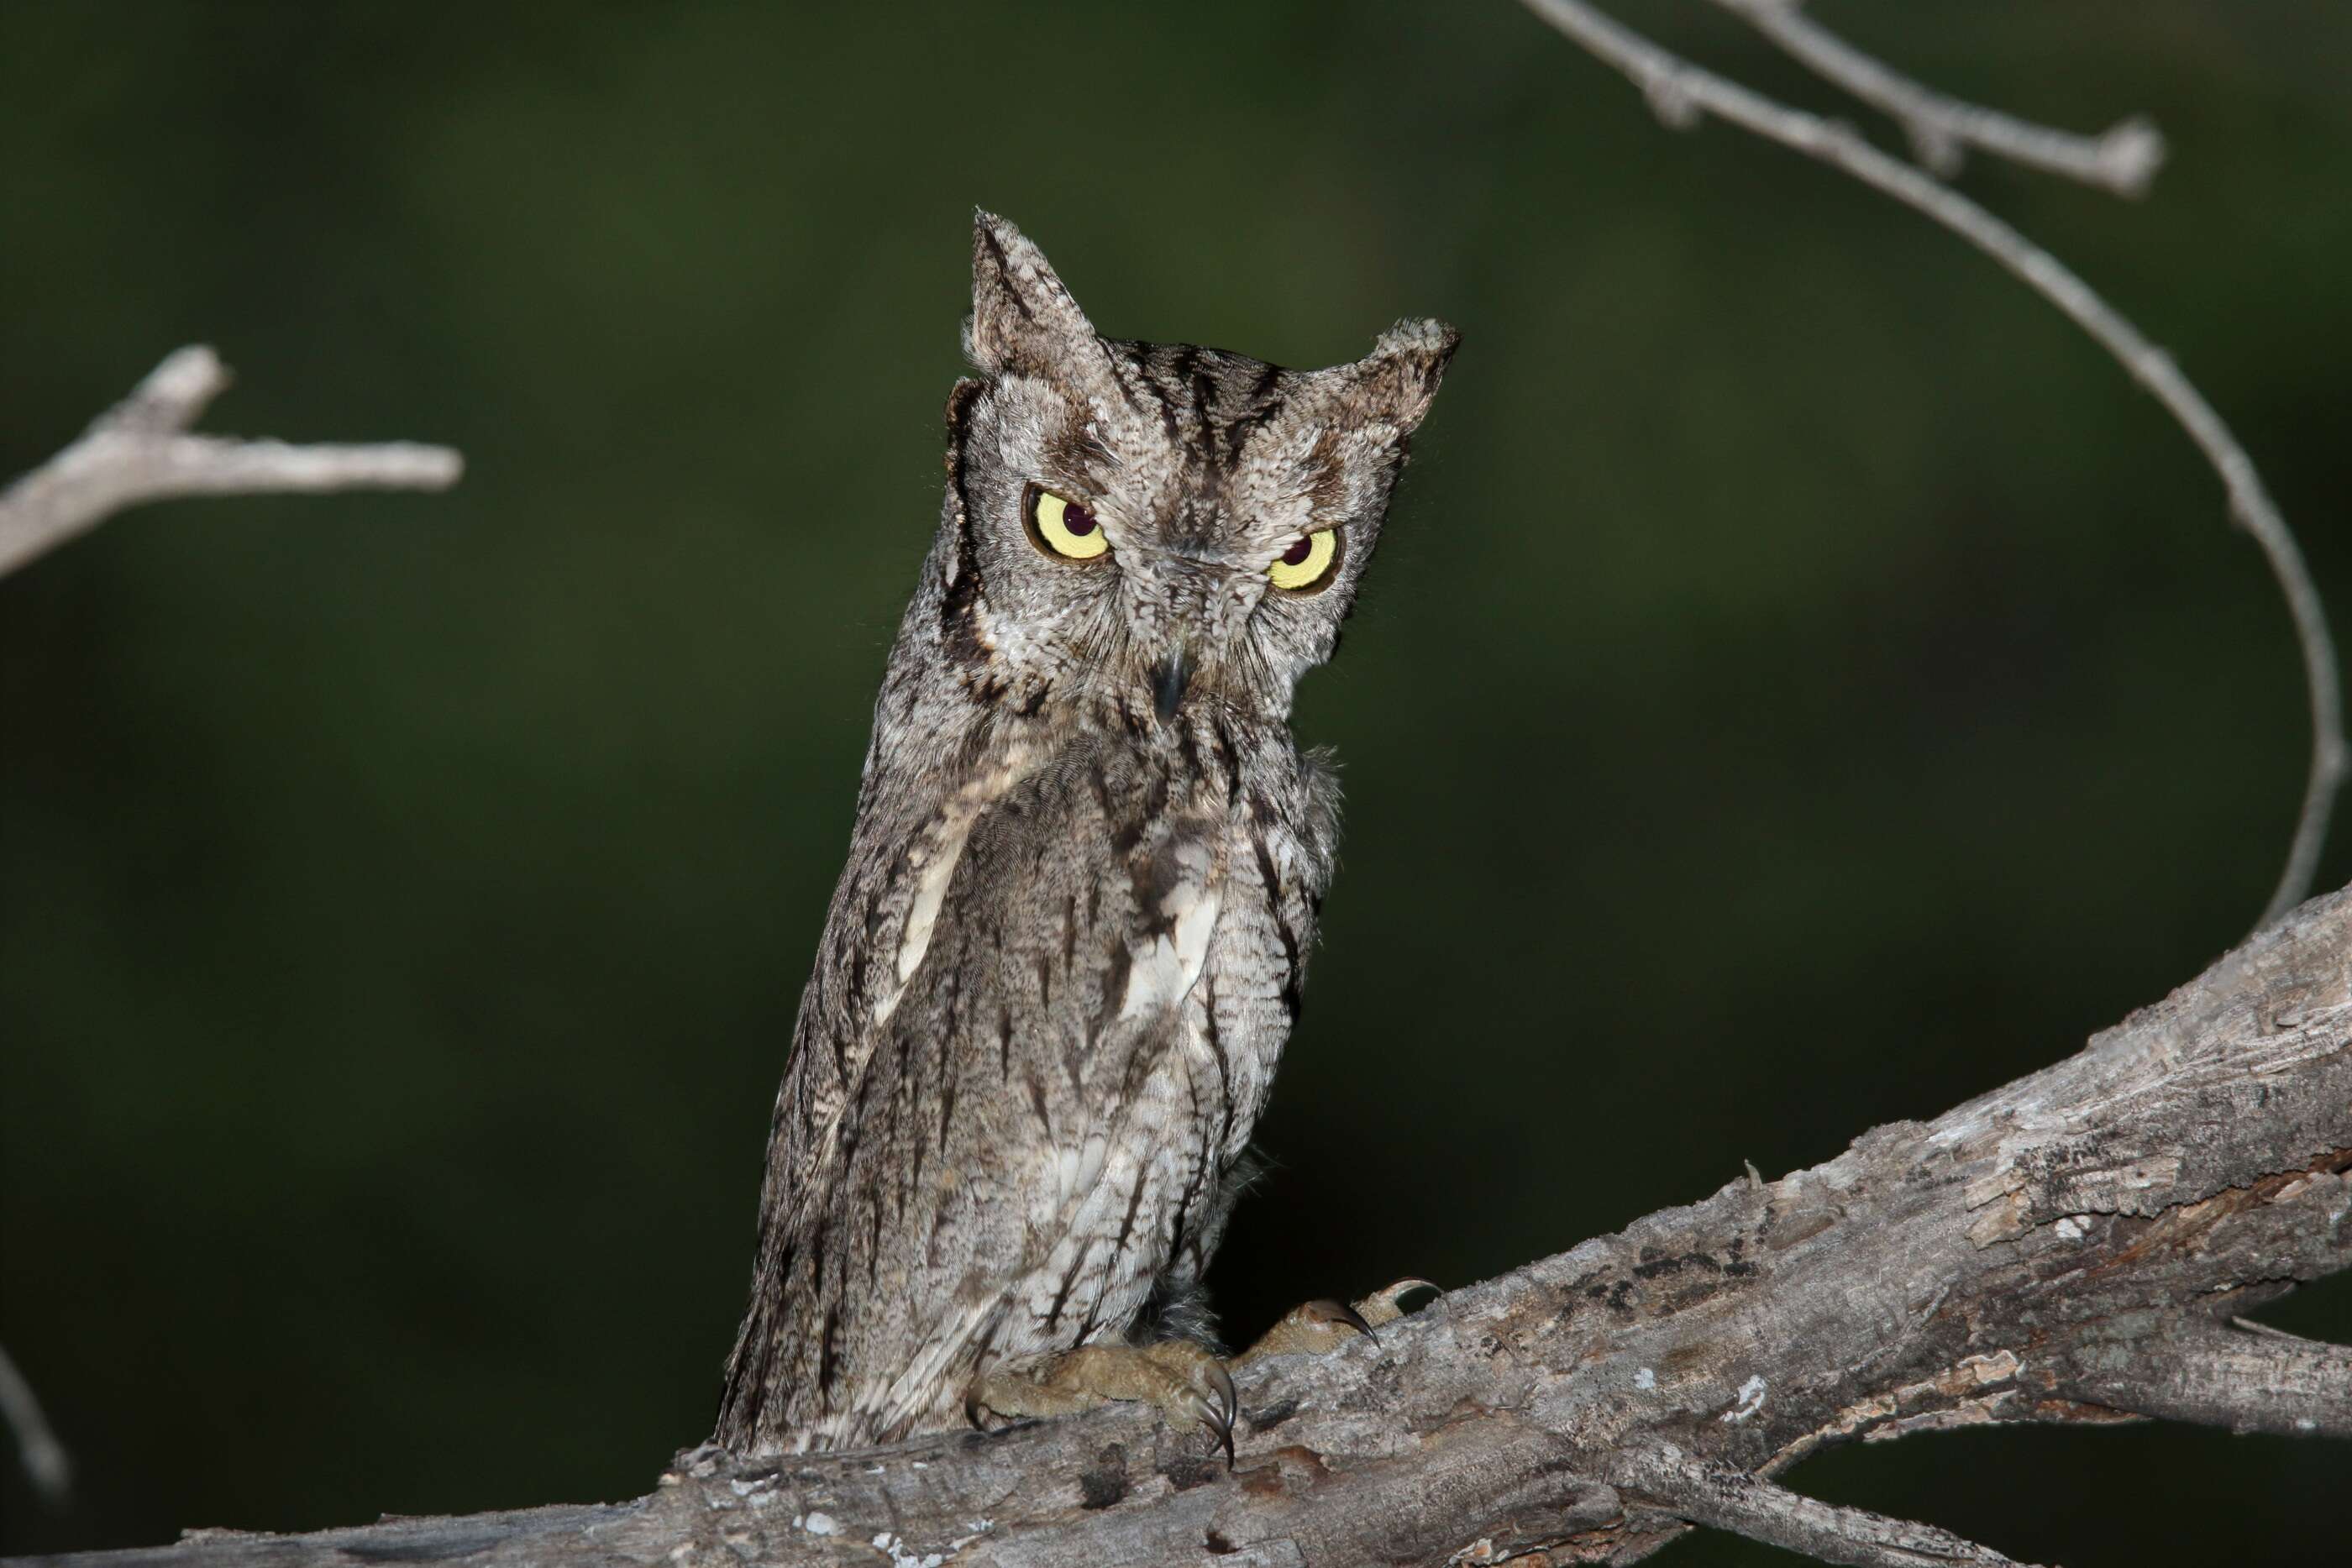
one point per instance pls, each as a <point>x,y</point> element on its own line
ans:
<point>1805,684</point>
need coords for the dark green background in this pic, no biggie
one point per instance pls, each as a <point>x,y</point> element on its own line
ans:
<point>1805,684</point>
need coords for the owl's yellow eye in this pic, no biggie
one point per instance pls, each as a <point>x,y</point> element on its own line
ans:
<point>1063,528</point>
<point>1307,565</point>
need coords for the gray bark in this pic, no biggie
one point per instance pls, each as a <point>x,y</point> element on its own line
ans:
<point>139,451</point>
<point>2075,1247</point>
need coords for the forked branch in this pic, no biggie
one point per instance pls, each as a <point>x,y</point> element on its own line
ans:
<point>1682,93</point>
<point>140,451</point>
<point>2123,159</point>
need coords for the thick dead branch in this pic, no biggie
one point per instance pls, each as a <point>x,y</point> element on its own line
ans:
<point>2122,159</point>
<point>2066,1248</point>
<point>1681,94</point>
<point>139,451</point>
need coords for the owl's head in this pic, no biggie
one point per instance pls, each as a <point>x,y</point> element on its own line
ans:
<point>1154,529</point>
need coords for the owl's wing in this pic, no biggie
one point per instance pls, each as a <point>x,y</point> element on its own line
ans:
<point>1029,1105</point>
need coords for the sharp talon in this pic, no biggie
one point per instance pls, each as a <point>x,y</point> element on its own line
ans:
<point>1221,1427</point>
<point>1228,1408</point>
<point>1382,1306</point>
<point>1331,1312</point>
<point>1216,1416</point>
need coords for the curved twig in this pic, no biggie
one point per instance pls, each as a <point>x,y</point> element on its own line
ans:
<point>1682,92</point>
<point>2122,159</point>
<point>139,451</point>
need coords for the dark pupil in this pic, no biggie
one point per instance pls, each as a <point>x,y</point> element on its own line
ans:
<point>1297,554</point>
<point>1078,521</point>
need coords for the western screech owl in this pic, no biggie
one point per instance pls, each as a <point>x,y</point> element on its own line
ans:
<point>1067,946</point>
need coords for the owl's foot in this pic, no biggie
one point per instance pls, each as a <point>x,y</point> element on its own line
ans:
<point>1183,1379</point>
<point>1315,1327</point>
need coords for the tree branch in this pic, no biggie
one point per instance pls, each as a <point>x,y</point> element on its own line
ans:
<point>1682,93</point>
<point>2056,1251</point>
<point>2123,159</point>
<point>45,1459</point>
<point>2199,1371</point>
<point>2061,1249</point>
<point>1710,1492</point>
<point>139,451</point>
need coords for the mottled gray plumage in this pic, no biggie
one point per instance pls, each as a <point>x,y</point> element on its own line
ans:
<point>1067,946</point>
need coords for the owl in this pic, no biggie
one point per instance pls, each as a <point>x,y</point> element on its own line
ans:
<point>1067,946</point>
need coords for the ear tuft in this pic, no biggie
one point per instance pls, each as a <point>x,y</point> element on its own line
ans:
<point>1397,379</point>
<point>1023,318</point>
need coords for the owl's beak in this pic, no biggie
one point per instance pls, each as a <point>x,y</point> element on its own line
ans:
<point>1169,681</point>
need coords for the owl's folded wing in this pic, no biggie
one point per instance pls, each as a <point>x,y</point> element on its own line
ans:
<point>1018,1133</point>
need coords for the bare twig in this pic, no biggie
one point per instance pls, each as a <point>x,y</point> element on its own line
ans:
<point>1980,1270</point>
<point>46,1459</point>
<point>139,451</point>
<point>2251,1326</point>
<point>1681,92</point>
<point>2123,159</point>
<point>1725,1497</point>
